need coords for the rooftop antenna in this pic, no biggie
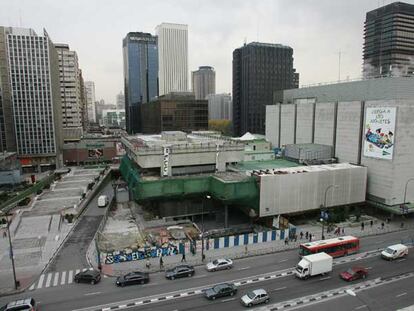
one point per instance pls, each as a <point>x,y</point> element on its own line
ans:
<point>339,66</point>
<point>245,40</point>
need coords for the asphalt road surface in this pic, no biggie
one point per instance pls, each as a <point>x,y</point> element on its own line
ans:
<point>284,287</point>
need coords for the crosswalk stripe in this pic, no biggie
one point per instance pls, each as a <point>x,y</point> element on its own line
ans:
<point>33,286</point>
<point>70,277</point>
<point>56,280</point>
<point>63,278</point>
<point>40,283</point>
<point>49,278</point>
<point>90,269</point>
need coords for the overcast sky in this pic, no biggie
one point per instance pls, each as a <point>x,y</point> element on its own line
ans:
<point>316,30</point>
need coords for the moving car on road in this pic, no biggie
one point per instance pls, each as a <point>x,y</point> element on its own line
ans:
<point>394,252</point>
<point>255,297</point>
<point>28,304</point>
<point>354,273</point>
<point>102,200</point>
<point>219,264</point>
<point>220,290</point>
<point>132,278</point>
<point>88,276</point>
<point>179,272</point>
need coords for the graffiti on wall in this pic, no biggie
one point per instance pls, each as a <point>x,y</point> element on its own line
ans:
<point>142,253</point>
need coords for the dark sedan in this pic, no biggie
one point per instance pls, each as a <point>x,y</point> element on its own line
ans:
<point>354,273</point>
<point>132,278</point>
<point>179,272</point>
<point>220,290</point>
<point>88,276</point>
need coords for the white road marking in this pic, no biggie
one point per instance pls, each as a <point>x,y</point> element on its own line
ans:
<point>368,268</point>
<point>401,259</point>
<point>283,260</point>
<point>229,299</point>
<point>56,279</point>
<point>325,278</point>
<point>361,307</point>
<point>379,242</point>
<point>40,283</point>
<point>91,294</point>
<point>48,280</point>
<point>70,277</point>
<point>63,279</point>
<point>402,294</point>
<point>122,306</point>
<point>244,268</point>
<point>277,289</point>
<point>199,276</point>
<point>32,287</point>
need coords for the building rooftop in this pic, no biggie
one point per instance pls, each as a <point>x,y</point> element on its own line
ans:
<point>264,165</point>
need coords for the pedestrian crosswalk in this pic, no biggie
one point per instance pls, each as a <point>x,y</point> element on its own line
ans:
<point>53,279</point>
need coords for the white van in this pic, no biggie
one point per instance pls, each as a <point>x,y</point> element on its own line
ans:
<point>395,251</point>
<point>102,201</point>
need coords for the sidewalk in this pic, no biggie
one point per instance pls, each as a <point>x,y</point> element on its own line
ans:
<point>38,231</point>
<point>241,251</point>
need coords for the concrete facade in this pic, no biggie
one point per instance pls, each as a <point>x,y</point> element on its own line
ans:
<point>220,107</point>
<point>203,82</point>
<point>340,120</point>
<point>90,101</point>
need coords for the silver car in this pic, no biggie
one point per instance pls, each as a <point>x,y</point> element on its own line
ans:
<point>255,297</point>
<point>219,264</point>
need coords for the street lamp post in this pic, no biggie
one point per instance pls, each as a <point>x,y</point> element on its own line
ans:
<point>324,206</point>
<point>405,191</point>
<point>11,250</point>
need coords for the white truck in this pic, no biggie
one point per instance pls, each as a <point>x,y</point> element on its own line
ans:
<point>394,252</point>
<point>312,265</point>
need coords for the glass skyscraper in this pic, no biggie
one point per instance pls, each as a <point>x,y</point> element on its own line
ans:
<point>140,53</point>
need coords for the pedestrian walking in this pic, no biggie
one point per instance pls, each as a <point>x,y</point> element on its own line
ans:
<point>371,223</point>
<point>161,263</point>
<point>296,237</point>
<point>183,258</point>
<point>362,226</point>
<point>310,237</point>
<point>388,220</point>
<point>323,237</point>
<point>307,235</point>
<point>382,226</point>
<point>343,231</point>
<point>148,264</point>
<point>402,225</point>
<point>4,234</point>
<point>301,235</point>
<point>286,241</point>
<point>245,249</point>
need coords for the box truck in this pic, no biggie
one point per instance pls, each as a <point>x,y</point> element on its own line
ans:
<point>312,265</point>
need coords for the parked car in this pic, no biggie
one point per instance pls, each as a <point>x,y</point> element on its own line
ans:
<point>88,276</point>
<point>255,297</point>
<point>219,264</point>
<point>354,273</point>
<point>28,304</point>
<point>220,290</point>
<point>103,201</point>
<point>132,278</point>
<point>179,272</point>
<point>394,252</point>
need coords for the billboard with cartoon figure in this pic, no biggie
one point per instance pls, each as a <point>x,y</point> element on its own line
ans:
<point>379,132</point>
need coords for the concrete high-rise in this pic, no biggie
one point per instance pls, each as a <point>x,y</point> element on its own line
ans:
<point>90,101</point>
<point>203,82</point>
<point>389,41</point>
<point>259,69</point>
<point>172,57</point>
<point>219,107</point>
<point>70,92</point>
<point>140,55</point>
<point>31,111</point>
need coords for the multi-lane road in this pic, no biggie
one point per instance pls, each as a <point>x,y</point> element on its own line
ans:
<point>271,272</point>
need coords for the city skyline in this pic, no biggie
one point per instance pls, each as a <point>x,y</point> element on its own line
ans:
<point>317,31</point>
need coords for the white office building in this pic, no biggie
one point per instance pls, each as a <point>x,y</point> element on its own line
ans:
<point>90,101</point>
<point>220,106</point>
<point>172,57</point>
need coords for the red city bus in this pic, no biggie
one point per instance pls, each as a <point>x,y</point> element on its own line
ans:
<point>335,247</point>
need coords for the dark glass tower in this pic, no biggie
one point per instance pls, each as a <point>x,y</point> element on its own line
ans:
<point>259,69</point>
<point>389,41</point>
<point>140,75</point>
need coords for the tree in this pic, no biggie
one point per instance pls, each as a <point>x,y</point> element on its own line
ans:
<point>222,126</point>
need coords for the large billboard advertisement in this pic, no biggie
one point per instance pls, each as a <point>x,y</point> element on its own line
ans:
<point>379,132</point>
<point>95,153</point>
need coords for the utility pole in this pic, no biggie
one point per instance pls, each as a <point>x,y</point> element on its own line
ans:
<point>16,284</point>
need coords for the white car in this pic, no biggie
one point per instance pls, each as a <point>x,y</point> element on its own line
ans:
<point>255,297</point>
<point>219,264</point>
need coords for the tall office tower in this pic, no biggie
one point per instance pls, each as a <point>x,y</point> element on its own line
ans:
<point>120,101</point>
<point>389,41</point>
<point>140,54</point>
<point>70,92</point>
<point>219,107</point>
<point>90,101</point>
<point>83,101</point>
<point>203,82</point>
<point>172,57</point>
<point>31,103</point>
<point>259,69</point>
